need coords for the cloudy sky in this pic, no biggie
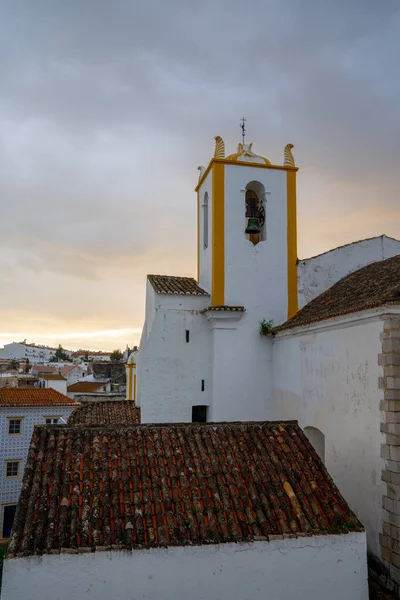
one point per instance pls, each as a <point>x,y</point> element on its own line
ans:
<point>107,108</point>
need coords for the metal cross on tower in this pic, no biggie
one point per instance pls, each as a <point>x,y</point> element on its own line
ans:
<point>243,128</point>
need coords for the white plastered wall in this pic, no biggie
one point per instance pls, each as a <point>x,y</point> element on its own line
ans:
<point>328,567</point>
<point>328,377</point>
<point>170,370</point>
<point>319,273</point>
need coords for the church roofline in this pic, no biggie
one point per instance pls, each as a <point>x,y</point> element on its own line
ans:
<point>375,237</point>
<point>239,163</point>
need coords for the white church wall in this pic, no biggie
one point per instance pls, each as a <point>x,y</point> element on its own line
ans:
<point>328,567</point>
<point>319,273</point>
<point>242,382</point>
<point>327,377</point>
<point>206,253</point>
<point>171,370</point>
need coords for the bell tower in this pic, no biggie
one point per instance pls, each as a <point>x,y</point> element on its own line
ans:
<point>247,232</point>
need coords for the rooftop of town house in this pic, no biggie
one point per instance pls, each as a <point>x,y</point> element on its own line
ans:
<point>33,397</point>
<point>372,286</point>
<point>86,386</point>
<point>142,486</point>
<point>180,286</point>
<point>109,412</point>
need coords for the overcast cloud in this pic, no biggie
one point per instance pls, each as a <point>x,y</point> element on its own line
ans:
<point>107,108</point>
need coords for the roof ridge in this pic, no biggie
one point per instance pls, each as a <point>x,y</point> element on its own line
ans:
<point>368,287</point>
<point>349,244</point>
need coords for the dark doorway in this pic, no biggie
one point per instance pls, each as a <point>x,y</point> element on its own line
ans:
<point>8,519</point>
<point>199,414</point>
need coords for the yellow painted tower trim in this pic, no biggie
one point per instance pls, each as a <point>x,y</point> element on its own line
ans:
<point>198,236</point>
<point>218,234</point>
<point>134,386</point>
<point>292,243</point>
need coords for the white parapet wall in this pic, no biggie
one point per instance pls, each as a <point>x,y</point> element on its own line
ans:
<point>324,567</point>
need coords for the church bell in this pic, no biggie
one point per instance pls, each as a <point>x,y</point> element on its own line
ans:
<point>252,226</point>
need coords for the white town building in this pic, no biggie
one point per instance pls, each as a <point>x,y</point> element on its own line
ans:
<point>20,410</point>
<point>35,353</point>
<point>334,366</point>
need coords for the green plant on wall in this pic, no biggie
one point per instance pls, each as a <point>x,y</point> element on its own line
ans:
<point>266,326</point>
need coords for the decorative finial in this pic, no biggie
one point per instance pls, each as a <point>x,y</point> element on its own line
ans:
<point>289,159</point>
<point>219,151</point>
<point>201,169</point>
<point>243,128</point>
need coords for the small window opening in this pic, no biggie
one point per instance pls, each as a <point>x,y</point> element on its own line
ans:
<point>199,414</point>
<point>187,336</point>
<point>12,468</point>
<point>14,426</point>
<point>205,221</point>
<point>202,385</point>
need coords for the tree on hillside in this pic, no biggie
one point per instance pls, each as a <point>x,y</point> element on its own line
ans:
<point>116,356</point>
<point>13,365</point>
<point>27,365</point>
<point>60,355</point>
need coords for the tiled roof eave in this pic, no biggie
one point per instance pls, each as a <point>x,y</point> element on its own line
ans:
<point>288,325</point>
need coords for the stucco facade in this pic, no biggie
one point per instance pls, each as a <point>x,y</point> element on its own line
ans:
<point>330,567</point>
<point>327,377</point>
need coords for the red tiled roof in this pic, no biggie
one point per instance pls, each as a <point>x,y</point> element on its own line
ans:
<point>67,369</point>
<point>85,386</point>
<point>174,484</point>
<point>51,376</point>
<point>33,397</point>
<point>110,412</point>
<point>375,285</point>
<point>181,286</point>
<point>43,369</point>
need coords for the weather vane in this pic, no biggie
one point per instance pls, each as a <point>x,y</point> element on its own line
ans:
<point>243,127</point>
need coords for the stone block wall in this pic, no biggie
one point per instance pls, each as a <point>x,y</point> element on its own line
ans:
<point>390,451</point>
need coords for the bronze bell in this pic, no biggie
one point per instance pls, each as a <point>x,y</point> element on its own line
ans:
<point>252,226</point>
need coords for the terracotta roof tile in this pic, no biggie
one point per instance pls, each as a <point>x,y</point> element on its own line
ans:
<point>67,369</point>
<point>109,412</point>
<point>51,376</point>
<point>85,386</point>
<point>225,309</point>
<point>167,284</point>
<point>33,397</point>
<point>174,484</point>
<point>43,369</point>
<point>374,285</point>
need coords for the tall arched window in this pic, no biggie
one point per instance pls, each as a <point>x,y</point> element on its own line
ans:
<point>255,228</point>
<point>317,439</point>
<point>205,221</point>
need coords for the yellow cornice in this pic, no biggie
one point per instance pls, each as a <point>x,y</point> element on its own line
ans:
<point>241,163</point>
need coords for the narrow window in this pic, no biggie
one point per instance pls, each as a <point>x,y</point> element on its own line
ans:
<point>12,469</point>
<point>205,221</point>
<point>202,385</point>
<point>187,336</point>
<point>199,414</point>
<point>14,426</point>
